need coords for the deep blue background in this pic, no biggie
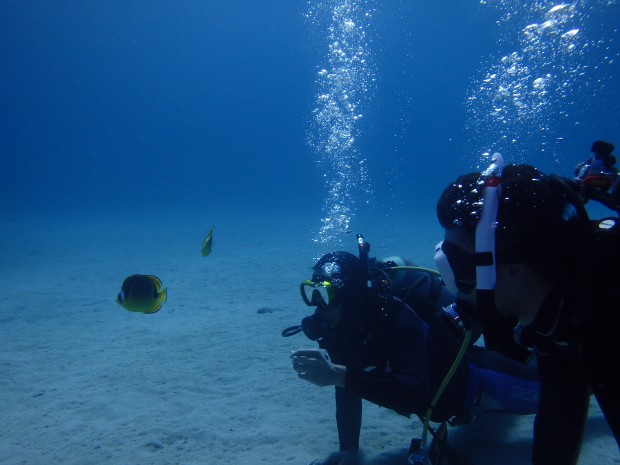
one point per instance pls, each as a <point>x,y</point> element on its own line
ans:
<point>142,107</point>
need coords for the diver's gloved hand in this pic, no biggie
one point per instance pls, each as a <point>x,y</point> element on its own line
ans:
<point>340,458</point>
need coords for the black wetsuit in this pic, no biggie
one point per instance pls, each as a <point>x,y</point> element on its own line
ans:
<point>577,337</point>
<point>398,364</point>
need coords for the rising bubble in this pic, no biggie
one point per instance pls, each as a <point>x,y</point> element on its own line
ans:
<point>516,104</point>
<point>343,83</point>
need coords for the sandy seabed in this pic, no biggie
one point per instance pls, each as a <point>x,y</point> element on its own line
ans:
<point>207,380</point>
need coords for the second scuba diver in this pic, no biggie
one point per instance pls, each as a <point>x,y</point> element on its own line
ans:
<point>413,359</point>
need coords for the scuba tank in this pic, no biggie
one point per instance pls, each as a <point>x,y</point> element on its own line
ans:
<point>418,287</point>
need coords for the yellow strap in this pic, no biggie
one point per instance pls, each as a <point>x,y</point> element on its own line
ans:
<point>442,387</point>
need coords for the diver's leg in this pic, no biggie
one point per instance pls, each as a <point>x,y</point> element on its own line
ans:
<point>505,384</point>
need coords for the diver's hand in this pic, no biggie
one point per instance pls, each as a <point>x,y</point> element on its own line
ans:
<point>313,366</point>
<point>339,458</point>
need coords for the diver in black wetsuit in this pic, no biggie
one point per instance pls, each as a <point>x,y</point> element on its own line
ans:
<point>555,273</point>
<point>383,351</point>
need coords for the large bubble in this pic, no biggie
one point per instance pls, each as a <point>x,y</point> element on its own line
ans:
<point>343,90</point>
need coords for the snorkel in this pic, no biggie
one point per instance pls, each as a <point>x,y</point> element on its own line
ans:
<point>485,255</point>
<point>485,229</point>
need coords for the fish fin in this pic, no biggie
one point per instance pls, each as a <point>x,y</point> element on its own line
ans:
<point>162,296</point>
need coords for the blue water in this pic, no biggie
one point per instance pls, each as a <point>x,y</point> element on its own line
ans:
<point>128,128</point>
<point>150,108</point>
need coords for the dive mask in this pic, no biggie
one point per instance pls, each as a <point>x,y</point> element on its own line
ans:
<point>317,294</point>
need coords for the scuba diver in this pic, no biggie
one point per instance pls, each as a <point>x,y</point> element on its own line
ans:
<point>535,272</point>
<point>388,340</point>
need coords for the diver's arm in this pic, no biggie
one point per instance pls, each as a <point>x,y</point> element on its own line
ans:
<point>313,366</point>
<point>562,412</point>
<point>406,388</point>
<point>403,394</point>
<point>348,419</point>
